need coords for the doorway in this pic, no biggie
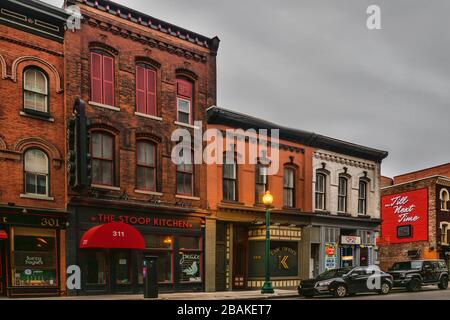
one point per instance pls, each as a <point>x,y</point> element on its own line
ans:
<point>120,271</point>
<point>240,258</point>
<point>2,268</point>
<point>364,257</point>
<point>221,262</point>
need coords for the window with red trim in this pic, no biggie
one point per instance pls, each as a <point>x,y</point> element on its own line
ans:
<point>102,78</point>
<point>102,158</point>
<point>146,166</point>
<point>185,176</point>
<point>145,90</point>
<point>184,101</point>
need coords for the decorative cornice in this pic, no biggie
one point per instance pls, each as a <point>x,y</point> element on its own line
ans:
<point>443,182</point>
<point>144,39</point>
<point>143,20</point>
<point>32,46</point>
<point>342,160</point>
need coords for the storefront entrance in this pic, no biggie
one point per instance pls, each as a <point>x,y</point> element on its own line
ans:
<point>120,271</point>
<point>2,268</point>
<point>109,271</point>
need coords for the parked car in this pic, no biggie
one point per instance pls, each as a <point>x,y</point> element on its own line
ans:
<point>412,275</point>
<point>347,281</point>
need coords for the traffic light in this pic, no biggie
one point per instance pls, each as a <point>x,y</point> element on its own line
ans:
<point>72,170</point>
<point>83,145</point>
<point>79,140</point>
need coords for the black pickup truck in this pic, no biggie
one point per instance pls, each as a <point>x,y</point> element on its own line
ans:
<point>412,275</point>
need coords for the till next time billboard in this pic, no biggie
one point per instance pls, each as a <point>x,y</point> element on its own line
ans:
<point>405,216</point>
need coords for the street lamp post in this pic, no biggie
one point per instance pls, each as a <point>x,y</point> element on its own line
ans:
<point>267,287</point>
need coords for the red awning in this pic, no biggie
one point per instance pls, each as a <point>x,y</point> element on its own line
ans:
<point>114,235</point>
<point>3,234</point>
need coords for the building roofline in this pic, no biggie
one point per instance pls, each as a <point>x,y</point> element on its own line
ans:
<point>146,20</point>
<point>44,8</point>
<point>437,176</point>
<point>219,115</point>
<point>422,170</point>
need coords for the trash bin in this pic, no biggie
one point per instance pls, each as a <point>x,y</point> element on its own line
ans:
<point>150,277</point>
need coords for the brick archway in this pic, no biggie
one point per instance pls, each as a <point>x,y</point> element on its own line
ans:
<point>39,61</point>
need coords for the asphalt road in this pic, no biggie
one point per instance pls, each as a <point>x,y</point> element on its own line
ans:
<point>427,293</point>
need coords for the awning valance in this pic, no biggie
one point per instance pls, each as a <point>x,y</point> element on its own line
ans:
<point>114,235</point>
<point>3,234</point>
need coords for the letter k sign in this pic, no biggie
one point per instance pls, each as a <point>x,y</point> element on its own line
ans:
<point>283,262</point>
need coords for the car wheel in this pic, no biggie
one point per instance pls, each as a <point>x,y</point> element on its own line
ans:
<point>340,291</point>
<point>414,285</point>
<point>443,284</point>
<point>385,288</point>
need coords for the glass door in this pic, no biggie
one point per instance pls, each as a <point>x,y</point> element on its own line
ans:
<point>95,271</point>
<point>121,281</point>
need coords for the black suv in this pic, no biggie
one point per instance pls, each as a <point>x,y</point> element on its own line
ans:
<point>347,281</point>
<point>412,275</point>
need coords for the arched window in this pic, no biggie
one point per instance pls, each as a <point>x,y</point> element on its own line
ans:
<point>102,158</point>
<point>145,90</point>
<point>185,94</point>
<point>444,197</point>
<point>342,194</point>
<point>102,78</point>
<point>35,90</point>
<point>362,197</point>
<point>185,175</point>
<point>229,178</point>
<point>36,172</point>
<point>445,233</point>
<point>261,182</point>
<point>289,187</point>
<point>146,166</point>
<point>321,194</point>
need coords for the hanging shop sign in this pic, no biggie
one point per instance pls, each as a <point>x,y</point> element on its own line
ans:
<point>405,216</point>
<point>351,240</point>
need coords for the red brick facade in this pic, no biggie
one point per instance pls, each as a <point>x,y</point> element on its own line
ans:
<point>19,132</point>
<point>171,59</point>
<point>33,130</point>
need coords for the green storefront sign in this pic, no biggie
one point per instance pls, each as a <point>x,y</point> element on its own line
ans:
<point>283,259</point>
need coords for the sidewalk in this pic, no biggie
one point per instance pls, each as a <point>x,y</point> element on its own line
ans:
<point>227,295</point>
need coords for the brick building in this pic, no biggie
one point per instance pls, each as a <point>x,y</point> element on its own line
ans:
<point>32,149</point>
<point>416,219</point>
<point>141,79</point>
<point>301,232</point>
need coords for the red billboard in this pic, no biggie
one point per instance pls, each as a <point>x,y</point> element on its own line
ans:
<point>405,216</point>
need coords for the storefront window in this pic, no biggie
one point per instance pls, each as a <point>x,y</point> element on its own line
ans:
<point>162,247</point>
<point>190,259</point>
<point>96,268</point>
<point>33,254</point>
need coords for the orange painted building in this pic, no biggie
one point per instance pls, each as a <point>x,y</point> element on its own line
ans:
<point>235,231</point>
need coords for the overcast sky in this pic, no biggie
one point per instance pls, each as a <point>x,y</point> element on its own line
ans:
<point>314,65</point>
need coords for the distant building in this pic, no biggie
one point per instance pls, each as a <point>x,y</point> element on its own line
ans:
<point>415,211</point>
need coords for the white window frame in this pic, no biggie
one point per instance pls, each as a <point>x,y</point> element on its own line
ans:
<point>35,92</point>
